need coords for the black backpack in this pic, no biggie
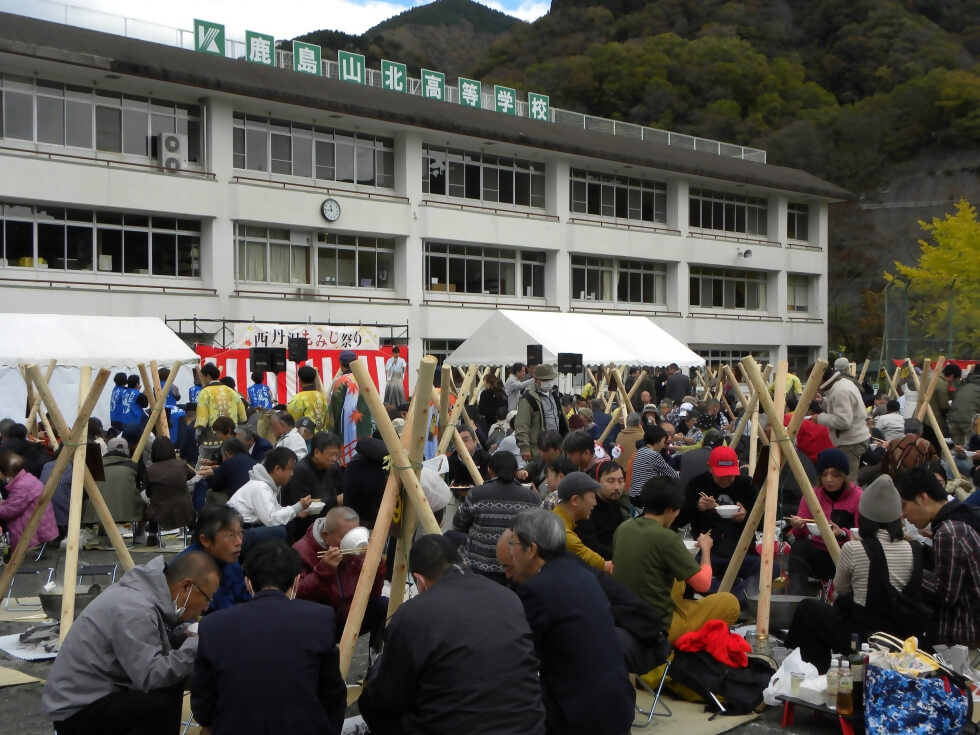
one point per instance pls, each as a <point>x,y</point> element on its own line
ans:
<point>739,689</point>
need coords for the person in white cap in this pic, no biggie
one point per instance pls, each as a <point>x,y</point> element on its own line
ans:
<point>844,414</point>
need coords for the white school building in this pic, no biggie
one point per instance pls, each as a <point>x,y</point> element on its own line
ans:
<point>142,179</point>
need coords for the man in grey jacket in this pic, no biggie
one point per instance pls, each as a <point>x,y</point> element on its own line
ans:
<point>121,668</point>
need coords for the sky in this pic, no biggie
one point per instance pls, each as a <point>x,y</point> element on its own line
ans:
<point>283,19</point>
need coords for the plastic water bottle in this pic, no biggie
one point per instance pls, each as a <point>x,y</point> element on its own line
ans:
<point>845,690</point>
<point>833,675</point>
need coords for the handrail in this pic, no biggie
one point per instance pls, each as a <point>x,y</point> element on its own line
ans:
<point>318,295</point>
<point>628,312</point>
<point>252,180</point>
<point>109,162</point>
<point>108,286</point>
<point>619,225</point>
<point>476,208</point>
<point>496,304</point>
<point>695,232</point>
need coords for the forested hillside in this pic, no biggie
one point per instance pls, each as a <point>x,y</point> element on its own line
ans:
<point>879,96</point>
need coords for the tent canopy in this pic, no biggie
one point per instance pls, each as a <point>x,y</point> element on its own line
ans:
<point>93,341</point>
<point>631,340</point>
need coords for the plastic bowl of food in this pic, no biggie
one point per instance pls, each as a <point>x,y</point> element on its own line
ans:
<point>856,534</point>
<point>813,528</point>
<point>316,507</point>
<point>692,546</point>
<point>726,511</point>
<point>356,539</point>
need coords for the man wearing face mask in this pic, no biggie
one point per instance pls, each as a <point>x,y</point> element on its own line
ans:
<point>539,410</point>
<point>441,678</point>
<point>122,667</point>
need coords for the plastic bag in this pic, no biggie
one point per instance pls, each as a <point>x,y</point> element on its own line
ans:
<point>780,683</point>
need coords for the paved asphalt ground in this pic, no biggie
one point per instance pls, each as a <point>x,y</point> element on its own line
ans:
<point>20,705</point>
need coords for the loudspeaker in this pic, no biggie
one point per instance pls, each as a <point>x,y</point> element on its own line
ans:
<point>535,354</point>
<point>278,355</point>
<point>260,359</point>
<point>298,349</point>
<point>570,363</point>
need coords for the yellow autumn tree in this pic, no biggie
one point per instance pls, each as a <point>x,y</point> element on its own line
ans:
<point>949,259</point>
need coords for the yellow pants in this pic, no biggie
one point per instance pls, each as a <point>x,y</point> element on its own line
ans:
<point>690,615</point>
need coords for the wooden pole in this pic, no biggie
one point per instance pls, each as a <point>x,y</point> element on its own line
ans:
<point>399,457</point>
<point>864,370</point>
<point>162,418</point>
<point>372,558</point>
<point>157,408</point>
<point>416,446</point>
<point>36,401</point>
<point>947,455</point>
<point>893,383</point>
<point>754,441</point>
<point>75,512</point>
<point>68,450</point>
<point>751,524</point>
<point>105,517</point>
<point>446,373</point>
<point>750,368</point>
<point>924,398</point>
<point>446,437</point>
<point>464,453</point>
<point>772,510</point>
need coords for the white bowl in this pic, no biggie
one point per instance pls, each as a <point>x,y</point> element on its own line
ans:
<point>855,534</point>
<point>813,528</point>
<point>316,507</point>
<point>692,546</point>
<point>356,538</point>
<point>726,511</point>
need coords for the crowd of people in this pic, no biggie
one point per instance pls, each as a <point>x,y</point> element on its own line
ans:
<point>580,543</point>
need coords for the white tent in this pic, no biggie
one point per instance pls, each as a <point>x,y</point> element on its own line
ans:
<point>114,342</point>
<point>629,340</point>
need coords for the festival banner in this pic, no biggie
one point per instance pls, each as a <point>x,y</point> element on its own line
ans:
<point>324,345</point>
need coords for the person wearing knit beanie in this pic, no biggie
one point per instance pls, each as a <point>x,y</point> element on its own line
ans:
<point>862,573</point>
<point>839,500</point>
<point>880,501</point>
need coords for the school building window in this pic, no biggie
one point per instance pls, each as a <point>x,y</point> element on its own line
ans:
<point>736,213</point>
<point>608,195</point>
<point>479,176</point>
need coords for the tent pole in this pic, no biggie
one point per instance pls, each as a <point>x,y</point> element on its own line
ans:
<point>751,524</point>
<point>771,505</point>
<point>416,447</point>
<point>80,440</point>
<point>95,495</point>
<point>157,408</point>
<point>924,409</point>
<point>399,457</point>
<point>84,411</point>
<point>155,375</point>
<point>446,373</point>
<point>751,369</point>
<point>372,558</point>
<point>36,399</point>
<point>444,439</point>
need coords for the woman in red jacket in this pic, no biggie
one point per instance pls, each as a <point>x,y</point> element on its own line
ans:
<point>839,500</point>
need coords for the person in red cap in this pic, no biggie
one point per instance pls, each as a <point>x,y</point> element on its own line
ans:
<point>723,484</point>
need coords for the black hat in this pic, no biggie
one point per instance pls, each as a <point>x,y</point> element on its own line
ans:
<point>576,483</point>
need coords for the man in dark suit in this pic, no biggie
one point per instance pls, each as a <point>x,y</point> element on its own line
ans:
<point>230,475</point>
<point>584,682</point>
<point>271,665</point>
<point>443,676</point>
<point>256,445</point>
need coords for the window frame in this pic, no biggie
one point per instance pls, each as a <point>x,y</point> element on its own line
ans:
<point>721,211</point>
<point>488,265</point>
<point>619,197</point>
<point>141,231</point>
<point>483,177</point>
<point>728,285</point>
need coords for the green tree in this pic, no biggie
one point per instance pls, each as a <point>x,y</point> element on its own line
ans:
<point>948,260</point>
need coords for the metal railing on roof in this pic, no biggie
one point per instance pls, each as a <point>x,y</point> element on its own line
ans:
<point>157,33</point>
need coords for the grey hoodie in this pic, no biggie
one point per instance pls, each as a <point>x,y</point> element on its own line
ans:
<point>258,500</point>
<point>119,642</point>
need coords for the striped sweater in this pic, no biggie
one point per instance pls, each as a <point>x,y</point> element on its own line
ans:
<point>485,514</point>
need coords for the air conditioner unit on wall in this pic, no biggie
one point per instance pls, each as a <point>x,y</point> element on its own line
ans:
<point>172,151</point>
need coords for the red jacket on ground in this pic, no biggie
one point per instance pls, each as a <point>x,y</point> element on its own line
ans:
<point>335,587</point>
